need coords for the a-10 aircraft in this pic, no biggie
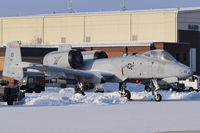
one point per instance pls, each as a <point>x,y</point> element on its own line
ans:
<point>86,67</point>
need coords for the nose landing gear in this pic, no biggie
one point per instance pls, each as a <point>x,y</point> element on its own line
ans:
<point>157,96</point>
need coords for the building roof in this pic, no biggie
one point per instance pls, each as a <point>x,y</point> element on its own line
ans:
<point>97,44</point>
<point>179,10</point>
<point>186,9</point>
<point>94,44</point>
<point>113,44</point>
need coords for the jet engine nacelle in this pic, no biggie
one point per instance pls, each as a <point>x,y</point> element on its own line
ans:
<point>95,54</point>
<point>64,59</point>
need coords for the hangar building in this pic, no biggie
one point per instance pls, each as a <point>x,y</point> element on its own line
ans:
<point>175,26</point>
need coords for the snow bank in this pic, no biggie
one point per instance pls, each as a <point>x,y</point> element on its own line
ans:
<point>58,97</point>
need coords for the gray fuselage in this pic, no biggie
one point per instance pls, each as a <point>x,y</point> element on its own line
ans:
<point>138,67</point>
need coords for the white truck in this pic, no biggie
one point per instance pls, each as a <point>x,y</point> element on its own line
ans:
<point>192,83</point>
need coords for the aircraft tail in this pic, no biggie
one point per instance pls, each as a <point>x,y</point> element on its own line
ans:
<point>12,67</point>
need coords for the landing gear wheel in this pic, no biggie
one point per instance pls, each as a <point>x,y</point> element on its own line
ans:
<point>191,89</point>
<point>10,102</point>
<point>38,89</point>
<point>157,97</point>
<point>99,91</point>
<point>170,89</point>
<point>99,88</point>
<point>147,88</point>
<point>127,94</point>
<point>29,91</point>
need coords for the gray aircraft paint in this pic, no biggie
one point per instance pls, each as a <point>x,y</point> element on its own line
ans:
<point>139,67</point>
<point>146,66</point>
<point>12,62</point>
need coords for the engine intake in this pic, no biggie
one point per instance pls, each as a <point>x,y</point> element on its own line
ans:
<point>75,59</point>
<point>96,54</point>
<point>64,59</point>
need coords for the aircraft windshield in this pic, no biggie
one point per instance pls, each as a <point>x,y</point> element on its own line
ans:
<point>160,54</point>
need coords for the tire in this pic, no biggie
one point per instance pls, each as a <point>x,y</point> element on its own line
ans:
<point>23,88</point>
<point>10,102</point>
<point>147,88</point>
<point>43,88</point>
<point>29,91</point>
<point>179,90</point>
<point>191,89</point>
<point>38,89</point>
<point>157,97</point>
<point>128,94</point>
<point>171,88</point>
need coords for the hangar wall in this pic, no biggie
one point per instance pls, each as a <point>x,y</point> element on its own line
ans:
<point>107,28</point>
<point>155,26</point>
<point>27,30</point>
<point>92,27</point>
<point>62,29</point>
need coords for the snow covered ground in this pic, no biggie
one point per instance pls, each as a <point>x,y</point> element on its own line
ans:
<point>59,110</point>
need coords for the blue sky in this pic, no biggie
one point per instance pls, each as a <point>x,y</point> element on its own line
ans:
<point>30,7</point>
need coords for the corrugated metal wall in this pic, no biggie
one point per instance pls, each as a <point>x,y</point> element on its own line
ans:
<point>109,27</point>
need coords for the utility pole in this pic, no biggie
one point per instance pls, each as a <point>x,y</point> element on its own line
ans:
<point>122,5</point>
<point>69,6</point>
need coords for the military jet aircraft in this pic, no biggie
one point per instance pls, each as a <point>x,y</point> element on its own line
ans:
<point>86,67</point>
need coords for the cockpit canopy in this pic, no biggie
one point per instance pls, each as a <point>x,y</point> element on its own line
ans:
<point>161,55</point>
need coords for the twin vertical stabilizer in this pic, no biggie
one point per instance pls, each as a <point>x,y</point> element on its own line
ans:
<point>13,59</point>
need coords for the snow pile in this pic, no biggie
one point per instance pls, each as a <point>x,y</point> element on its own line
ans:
<point>58,97</point>
<point>180,95</point>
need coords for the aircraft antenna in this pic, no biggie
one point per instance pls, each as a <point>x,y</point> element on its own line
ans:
<point>123,6</point>
<point>69,6</point>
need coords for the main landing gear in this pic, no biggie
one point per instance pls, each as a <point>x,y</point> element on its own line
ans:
<point>99,88</point>
<point>124,92</point>
<point>79,87</point>
<point>157,96</point>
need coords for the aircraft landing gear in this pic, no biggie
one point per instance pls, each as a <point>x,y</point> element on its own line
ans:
<point>99,88</point>
<point>79,87</point>
<point>124,92</point>
<point>157,96</point>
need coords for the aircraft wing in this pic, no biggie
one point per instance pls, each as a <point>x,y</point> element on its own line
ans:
<point>58,72</point>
